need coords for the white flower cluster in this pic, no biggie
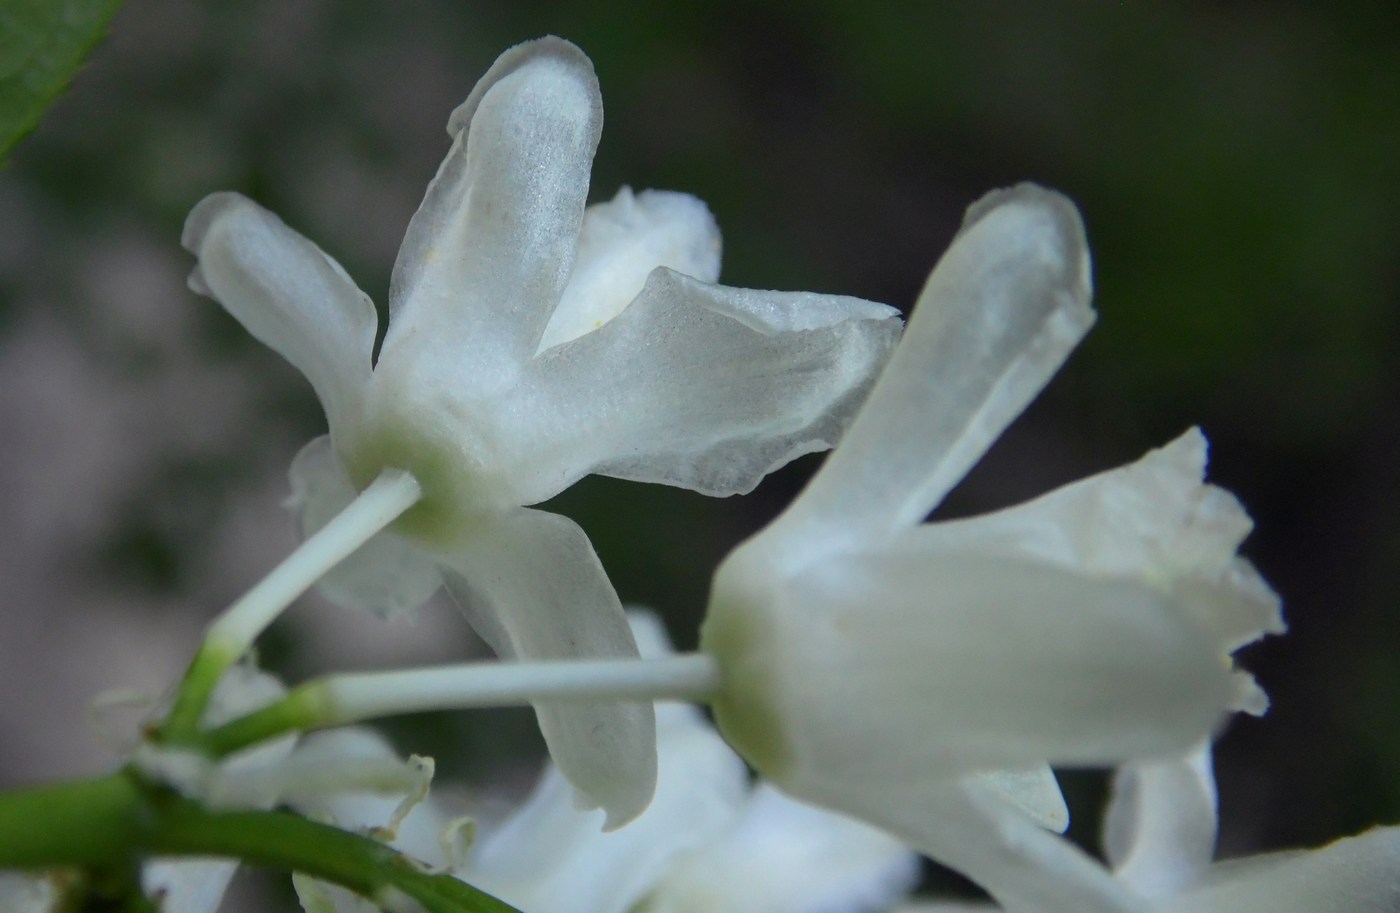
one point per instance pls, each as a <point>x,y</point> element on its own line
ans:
<point>900,687</point>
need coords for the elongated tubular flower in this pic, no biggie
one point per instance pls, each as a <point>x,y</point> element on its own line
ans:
<point>1159,838</point>
<point>871,663</point>
<point>707,843</point>
<point>532,341</point>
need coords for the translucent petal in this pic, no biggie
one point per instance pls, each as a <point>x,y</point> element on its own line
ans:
<point>974,664</point>
<point>489,251</point>
<point>322,897</point>
<point>709,388</point>
<point>287,293</point>
<point>1034,790</point>
<point>788,857</point>
<point>363,789</point>
<point>1026,868</point>
<point>1154,519</point>
<point>550,857</point>
<point>532,586</point>
<point>22,892</point>
<point>187,885</point>
<point>388,575</point>
<point>1356,875</point>
<point>1159,831</point>
<point>1001,311</point>
<point>620,243</point>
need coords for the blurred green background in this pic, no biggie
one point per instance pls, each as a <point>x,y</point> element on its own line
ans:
<point>1237,163</point>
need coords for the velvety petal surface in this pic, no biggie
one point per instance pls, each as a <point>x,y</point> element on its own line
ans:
<point>289,294</point>
<point>551,857</point>
<point>1159,830</point>
<point>388,575</point>
<point>788,857</point>
<point>999,314</point>
<point>532,586</point>
<point>1154,519</point>
<point>708,387</point>
<point>974,663</point>
<point>489,251</point>
<point>1356,875</point>
<point>1034,790</point>
<point>1026,868</point>
<point>621,242</point>
<point>21,892</point>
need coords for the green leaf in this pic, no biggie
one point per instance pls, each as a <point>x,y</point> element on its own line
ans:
<point>42,45</point>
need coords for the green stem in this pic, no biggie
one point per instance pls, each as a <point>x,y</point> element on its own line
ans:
<point>302,710</point>
<point>109,825</point>
<point>196,688</point>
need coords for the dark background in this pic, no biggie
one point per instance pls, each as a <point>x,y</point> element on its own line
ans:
<point>1236,163</point>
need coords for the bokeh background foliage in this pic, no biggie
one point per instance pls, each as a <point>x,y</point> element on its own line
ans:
<point>42,44</point>
<point>1236,163</point>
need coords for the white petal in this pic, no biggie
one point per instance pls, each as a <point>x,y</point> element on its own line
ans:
<point>491,248</point>
<point>709,388</point>
<point>362,786</point>
<point>532,586</point>
<point>907,663</point>
<point>1356,875</point>
<point>620,243</point>
<point>788,857</point>
<point>322,897</point>
<point>1034,790</point>
<point>1159,831</point>
<point>388,575</point>
<point>1000,313</point>
<point>1154,519</point>
<point>550,857</point>
<point>1025,868</point>
<point>24,893</point>
<point>287,293</point>
<point>187,885</point>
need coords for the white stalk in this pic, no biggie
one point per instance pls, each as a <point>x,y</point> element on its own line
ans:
<point>360,696</point>
<point>386,498</point>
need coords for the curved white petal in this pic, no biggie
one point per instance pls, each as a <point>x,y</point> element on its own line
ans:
<point>550,857</point>
<point>620,243</point>
<point>187,885</point>
<point>1026,868</point>
<point>321,897</point>
<point>489,251</point>
<point>289,294</point>
<point>388,575</point>
<point>1159,830</point>
<point>788,857</point>
<point>21,892</point>
<point>1034,790</point>
<point>708,387</point>
<point>1001,311</point>
<point>354,778</point>
<point>907,663</point>
<point>1154,520</point>
<point>1359,874</point>
<point>532,586</point>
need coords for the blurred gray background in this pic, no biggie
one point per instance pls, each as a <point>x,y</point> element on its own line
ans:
<point>1236,163</point>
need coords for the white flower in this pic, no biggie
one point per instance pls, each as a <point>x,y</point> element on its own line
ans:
<point>706,844</point>
<point>1159,836</point>
<point>26,893</point>
<point>532,342</point>
<point>871,663</point>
